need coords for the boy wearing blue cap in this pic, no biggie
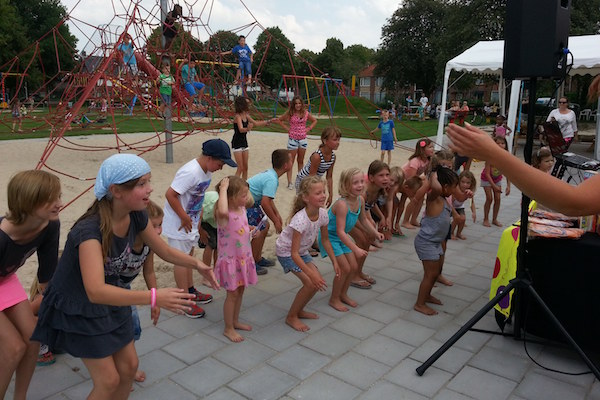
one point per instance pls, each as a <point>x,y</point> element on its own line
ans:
<point>183,211</point>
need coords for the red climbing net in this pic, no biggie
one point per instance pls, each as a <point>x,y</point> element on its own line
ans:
<point>102,92</point>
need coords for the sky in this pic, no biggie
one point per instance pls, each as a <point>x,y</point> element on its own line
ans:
<point>307,23</point>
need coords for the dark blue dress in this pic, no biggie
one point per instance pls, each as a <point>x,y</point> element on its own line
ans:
<point>67,319</point>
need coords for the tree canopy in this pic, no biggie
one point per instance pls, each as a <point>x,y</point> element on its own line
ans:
<point>276,52</point>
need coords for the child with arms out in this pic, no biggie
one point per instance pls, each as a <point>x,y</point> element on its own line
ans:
<point>245,57</point>
<point>434,229</point>
<point>343,216</point>
<point>86,310</point>
<point>307,218</point>
<point>491,179</point>
<point>416,166</point>
<point>235,268</point>
<point>388,135</point>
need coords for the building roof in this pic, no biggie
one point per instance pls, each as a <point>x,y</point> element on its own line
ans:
<point>367,72</point>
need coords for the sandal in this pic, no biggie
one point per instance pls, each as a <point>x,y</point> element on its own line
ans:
<point>397,233</point>
<point>362,284</point>
<point>313,253</point>
<point>45,359</point>
<point>369,279</point>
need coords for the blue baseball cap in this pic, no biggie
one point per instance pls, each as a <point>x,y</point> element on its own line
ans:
<point>218,148</point>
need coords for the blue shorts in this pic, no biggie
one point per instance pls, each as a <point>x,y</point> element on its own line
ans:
<point>295,144</point>
<point>387,145</point>
<point>255,214</point>
<point>191,86</point>
<point>246,68</point>
<point>339,248</point>
<point>288,263</point>
<point>166,98</point>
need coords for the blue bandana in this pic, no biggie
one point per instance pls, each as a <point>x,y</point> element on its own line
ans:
<point>117,169</point>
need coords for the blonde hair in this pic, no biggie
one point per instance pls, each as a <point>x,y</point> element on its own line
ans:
<point>29,190</point>
<point>397,174</point>
<point>304,189</point>
<point>154,210</point>
<point>330,132</point>
<point>236,184</point>
<point>346,180</point>
<point>414,183</point>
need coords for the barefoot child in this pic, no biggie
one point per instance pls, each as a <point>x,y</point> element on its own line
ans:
<point>491,179</point>
<point>343,215</point>
<point>407,190</point>
<point>235,268</point>
<point>434,229</point>
<point>85,310</point>
<point>416,166</point>
<point>242,124</point>
<point>307,218</point>
<point>465,189</point>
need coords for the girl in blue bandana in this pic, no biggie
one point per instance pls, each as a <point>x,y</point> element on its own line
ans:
<point>86,308</point>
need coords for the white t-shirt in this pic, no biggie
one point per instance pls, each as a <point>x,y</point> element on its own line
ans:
<point>309,230</point>
<point>566,122</point>
<point>424,100</point>
<point>191,182</point>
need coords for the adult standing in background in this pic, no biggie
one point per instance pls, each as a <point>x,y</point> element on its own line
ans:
<point>566,119</point>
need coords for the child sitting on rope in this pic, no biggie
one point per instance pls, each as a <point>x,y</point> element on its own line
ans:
<point>244,54</point>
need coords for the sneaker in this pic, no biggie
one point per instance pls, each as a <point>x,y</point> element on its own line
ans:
<point>46,358</point>
<point>195,312</point>
<point>290,186</point>
<point>202,298</point>
<point>263,262</point>
<point>261,271</point>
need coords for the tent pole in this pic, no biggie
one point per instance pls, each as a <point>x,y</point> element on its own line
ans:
<point>597,138</point>
<point>512,111</point>
<point>442,117</point>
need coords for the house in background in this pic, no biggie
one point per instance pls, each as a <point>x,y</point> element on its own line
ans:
<point>370,86</point>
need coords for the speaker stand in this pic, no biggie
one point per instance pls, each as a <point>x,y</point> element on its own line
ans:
<point>520,282</point>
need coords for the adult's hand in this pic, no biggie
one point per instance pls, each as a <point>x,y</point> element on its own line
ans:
<point>472,142</point>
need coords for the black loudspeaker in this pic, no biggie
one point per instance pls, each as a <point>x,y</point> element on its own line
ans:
<point>536,33</point>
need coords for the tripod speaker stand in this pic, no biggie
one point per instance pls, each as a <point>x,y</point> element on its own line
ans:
<point>520,282</point>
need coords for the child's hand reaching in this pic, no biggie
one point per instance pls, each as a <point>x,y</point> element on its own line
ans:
<point>154,314</point>
<point>507,190</point>
<point>469,193</point>
<point>224,184</point>
<point>358,252</point>
<point>209,274</point>
<point>175,300</point>
<point>317,280</point>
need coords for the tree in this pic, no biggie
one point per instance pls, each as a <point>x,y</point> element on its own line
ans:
<point>222,41</point>
<point>331,58</point>
<point>305,57</point>
<point>12,34</point>
<point>585,17</point>
<point>184,45</point>
<point>276,53</point>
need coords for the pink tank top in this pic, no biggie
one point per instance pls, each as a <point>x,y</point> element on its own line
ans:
<point>298,126</point>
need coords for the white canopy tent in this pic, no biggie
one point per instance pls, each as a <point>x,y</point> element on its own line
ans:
<point>487,57</point>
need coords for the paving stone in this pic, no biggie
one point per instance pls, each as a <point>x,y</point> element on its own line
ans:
<point>224,393</point>
<point>384,349</point>
<point>278,285</point>
<point>164,389</point>
<point>554,389</point>
<point>398,298</point>
<point>357,325</point>
<point>76,392</point>
<point>262,314</point>
<point>280,336</point>
<point>51,380</point>
<point>407,332</point>
<point>321,386</point>
<point>245,355</point>
<point>500,363</point>
<point>563,359</point>
<point>193,348</point>
<point>357,369</point>
<point>481,385</point>
<point>381,312</point>
<point>158,365</point>
<point>264,382</point>
<point>428,385</point>
<point>330,342</point>
<point>181,326</point>
<point>453,360</point>
<point>393,274</point>
<point>461,292</point>
<point>205,376</point>
<point>152,339</point>
<point>446,394</point>
<point>430,321</point>
<point>299,361</point>
<point>470,341</point>
<point>386,390</point>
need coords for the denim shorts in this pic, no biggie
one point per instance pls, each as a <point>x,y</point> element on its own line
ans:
<point>295,144</point>
<point>288,263</point>
<point>166,98</point>
<point>245,67</point>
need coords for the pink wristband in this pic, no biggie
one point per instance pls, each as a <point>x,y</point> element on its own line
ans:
<point>153,297</point>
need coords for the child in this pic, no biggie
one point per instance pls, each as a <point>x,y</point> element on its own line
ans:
<point>388,135</point>
<point>16,115</point>
<point>297,116</point>
<point>45,356</point>
<point>169,28</point>
<point>542,159</point>
<point>85,310</point>
<point>30,225</point>
<point>235,268</point>
<point>501,129</point>
<point>466,187</point>
<point>183,207</point>
<point>343,215</point>
<point>491,178</point>
<point>394,187</point>
<point>126,47</point>
<point>208,228</point>
<point>165,82</point>
<point>242,124</point>
<point>307,218</point>
<point>245,57</point>
<point>321,162</point>
<point>263,187</point>
<point>103,110</point>
<point>141,259</point>
<point>434,229</point>
<point>189,78</point>
<point>408,189</point>
<point>416,166</point>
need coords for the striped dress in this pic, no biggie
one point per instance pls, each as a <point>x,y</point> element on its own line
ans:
<point>323,167</point>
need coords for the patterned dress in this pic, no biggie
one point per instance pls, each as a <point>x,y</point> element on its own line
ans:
<point>235,264</point>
